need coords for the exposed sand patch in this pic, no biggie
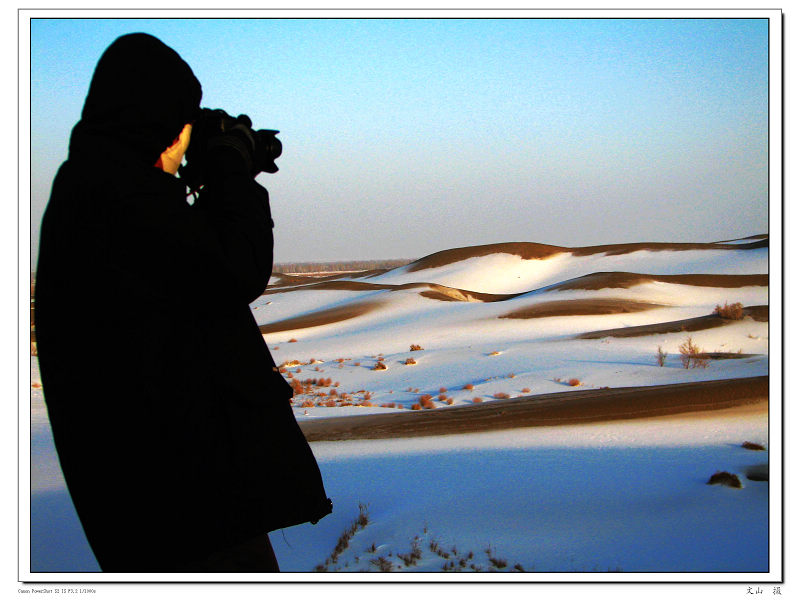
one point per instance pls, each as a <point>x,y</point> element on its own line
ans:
<point>449,294</point>
<point>690,400</point>
<point>619,279</point>
<point>321,317</point>
<point>756,313</point>
<point>592,306</point>
<point>616,249</point>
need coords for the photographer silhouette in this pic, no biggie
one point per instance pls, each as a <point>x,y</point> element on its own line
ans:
<point>172,425</point>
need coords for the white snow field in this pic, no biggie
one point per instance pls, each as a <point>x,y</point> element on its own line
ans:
<point>608,501</point>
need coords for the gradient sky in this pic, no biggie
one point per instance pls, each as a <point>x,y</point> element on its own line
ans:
<point>403,137</point>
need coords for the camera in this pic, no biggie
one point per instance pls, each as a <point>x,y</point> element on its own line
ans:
<point>214,128</point>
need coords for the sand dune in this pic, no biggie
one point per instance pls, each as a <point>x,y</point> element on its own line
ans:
<point>431,290</point>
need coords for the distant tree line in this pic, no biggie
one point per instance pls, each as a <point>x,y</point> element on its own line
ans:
<point>343,265</point>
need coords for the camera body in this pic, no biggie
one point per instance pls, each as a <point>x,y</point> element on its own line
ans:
<point>215,127</point>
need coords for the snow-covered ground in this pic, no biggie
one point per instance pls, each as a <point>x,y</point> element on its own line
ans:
<point>612,501</point>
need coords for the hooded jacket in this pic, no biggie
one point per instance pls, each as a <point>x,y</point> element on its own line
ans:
<point>172,425</point>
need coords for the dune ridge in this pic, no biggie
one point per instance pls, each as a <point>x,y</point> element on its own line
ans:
<point>537,251</point>
<point>563,408</point>
<point>755,313</point>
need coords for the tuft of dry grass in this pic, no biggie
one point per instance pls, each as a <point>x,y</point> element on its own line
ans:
<point>416,406</point>
<point>753,446</point>
<point>380,366</point>
<point>361,521</point>
<point>526,390</point>
<point>410,361</point>
<point>692,356</point>
<point>733,311</point>
<point>293,341</point>
<point>384,565</point>
<point>726,479</point>
<point>416,348</point>
<point>477,399</point>
<point>661,357</point>
<point>469,386</point>
<point>574,382</point>
<point>501,395</point>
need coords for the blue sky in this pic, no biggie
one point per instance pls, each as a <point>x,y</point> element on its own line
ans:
<point>403,137</point>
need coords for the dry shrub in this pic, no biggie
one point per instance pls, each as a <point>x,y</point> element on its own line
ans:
<point>501,395</point>
<point>442,390</point>
<point>441,397</point>
<point>388,405</point>
<point>661,356</point>
<point>469,386</point>
<point>691,355</point>
<point>477,399</point>
<point>410,361</point>
<point>380,367</point>
<point>495,353</point>
<point>416,406</point>
<point>511,375</point>
<point>307,404</point>
<point>526,390</point>
<point>574,382</point>
<point>753,446</point>
<point>426,401</point>
<point>416,348</point>
<point>733,311</point>
<point>725,478</point>
<point>449,401</point>
<point>292,341</point>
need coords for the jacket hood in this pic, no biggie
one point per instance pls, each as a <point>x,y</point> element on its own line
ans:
<point>141,95</point>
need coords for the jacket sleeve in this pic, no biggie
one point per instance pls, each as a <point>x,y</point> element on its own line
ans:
<point>219,250</point>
